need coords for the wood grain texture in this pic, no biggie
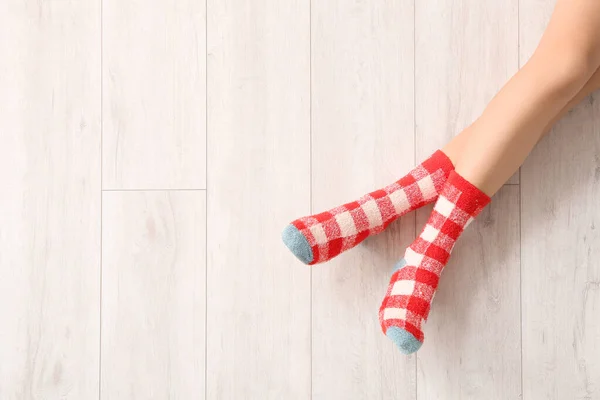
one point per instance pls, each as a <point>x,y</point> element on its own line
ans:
<point>534,16</point>
<point>272,331</point>
<point>465,52</point>
<point>472,347</point>
<point>362,139</point>
<point>50,202</point>
<point>153,295</point>
<point>561,273</point>
<point>259,180</point>
<point>154,106</point>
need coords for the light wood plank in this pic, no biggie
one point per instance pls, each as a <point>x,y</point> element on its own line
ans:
<point>153,295</point>
<point>363,139</point>
<point>465,52</point>
<point>472,347</point>
<point>154,94</point>
<point>561,274</point>
<point>259,180</point>
<point>50,202</point>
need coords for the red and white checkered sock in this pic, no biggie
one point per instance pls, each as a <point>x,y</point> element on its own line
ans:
<point>318,238</point>
<point>412,287</point>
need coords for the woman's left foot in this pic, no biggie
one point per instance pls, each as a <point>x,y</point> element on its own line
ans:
<point>318,238</point>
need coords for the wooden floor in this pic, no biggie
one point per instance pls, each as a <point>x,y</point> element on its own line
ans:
<point>152,151</point>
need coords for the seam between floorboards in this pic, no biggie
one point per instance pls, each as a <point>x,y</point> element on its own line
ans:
<point>101,197</point>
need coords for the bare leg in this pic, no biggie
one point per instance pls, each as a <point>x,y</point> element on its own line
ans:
<point>489,151</point>
<point>454,148</point>
<point>590,87</point>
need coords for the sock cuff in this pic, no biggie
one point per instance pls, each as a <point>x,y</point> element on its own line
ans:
<point>439,160</point>
<point>476,199</point>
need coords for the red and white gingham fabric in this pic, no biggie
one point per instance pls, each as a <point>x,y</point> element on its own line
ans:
<point>337,230</point>
<point>411,289</point>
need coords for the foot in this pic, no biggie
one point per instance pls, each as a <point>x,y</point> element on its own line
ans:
<point>318,238</point>
<point>412,287</point>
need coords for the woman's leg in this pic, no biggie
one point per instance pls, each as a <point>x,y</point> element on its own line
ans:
<point>489,151</point>
<point>454,147</point>
<point>590,87</point>
<point>556,75</point>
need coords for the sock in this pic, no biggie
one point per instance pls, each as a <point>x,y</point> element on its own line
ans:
<point>415,278</point>
<point>318,238</point>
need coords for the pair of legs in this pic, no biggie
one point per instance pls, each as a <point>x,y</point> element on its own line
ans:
<point>563,70</point>
<point>461,178</point>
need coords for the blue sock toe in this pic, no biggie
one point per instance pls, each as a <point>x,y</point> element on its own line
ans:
<point>405,341</point>
<point>297,243</point>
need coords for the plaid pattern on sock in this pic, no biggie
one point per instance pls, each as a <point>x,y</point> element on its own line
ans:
<point>337,230</point>
<point>411,289</point>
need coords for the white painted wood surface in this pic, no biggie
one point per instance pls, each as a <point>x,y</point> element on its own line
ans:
<point>561,274</point>
<point>307,105</point>
<point>560,247</point>
<point>362,139</point>
<point>50,199</point>
<point>258,180</point>
<point>154,86</point>
<point>153,295</point>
